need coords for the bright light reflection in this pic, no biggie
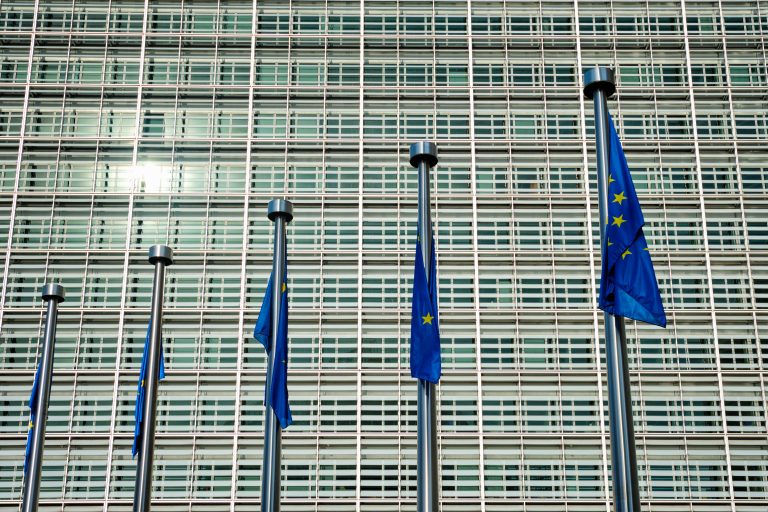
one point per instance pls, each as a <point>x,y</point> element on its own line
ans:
<point>151,175</point>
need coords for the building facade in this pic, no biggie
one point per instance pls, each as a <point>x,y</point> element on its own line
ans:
<point>129,123</point>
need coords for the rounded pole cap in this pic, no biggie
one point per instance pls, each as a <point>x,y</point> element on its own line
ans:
<point>280,208</point>
<point>53,291</point>
<point>161,253</point>
<point>599,78</point>
<point>424,150</point>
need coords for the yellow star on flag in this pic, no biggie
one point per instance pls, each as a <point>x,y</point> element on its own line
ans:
<point>609,242</point>
<point>284,287</point>
<point>610,179</point>
<point>427,319</point>
<point>618,198</point>
<point>31,425</point>
<point>625,254</point>
<point>618,221</point>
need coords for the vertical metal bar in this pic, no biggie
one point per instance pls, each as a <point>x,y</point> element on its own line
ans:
<point>53,293</point>
<point>280,212</point>
<point>424,157</point>
<point>243,263</point>
<point>160,256</point>
<point>599,85</point>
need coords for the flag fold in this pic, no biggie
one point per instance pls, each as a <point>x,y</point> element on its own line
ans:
<point>425,331</point>
<point>34,396</point>
<point>138,412</point>
<point>628,285</point>
<point>278,398</point>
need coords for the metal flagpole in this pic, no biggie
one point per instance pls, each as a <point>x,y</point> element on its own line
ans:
<point>160,256</point>
<point>53,293</point>
<point>599,84</point>
<point>280,212</point>
<point>424,157</point>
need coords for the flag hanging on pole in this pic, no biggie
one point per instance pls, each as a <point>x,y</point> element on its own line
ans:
<point>628,285</point>
<point>34,396</point>
<point>263,333</point>
<point>138,413</point>
<point>425,331</point>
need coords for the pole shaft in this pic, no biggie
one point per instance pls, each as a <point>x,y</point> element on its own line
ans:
<point>626,495</point>
<point>427,480</point>
<point>32,480</point>
<point>143,489</point>
<point>270,471</point>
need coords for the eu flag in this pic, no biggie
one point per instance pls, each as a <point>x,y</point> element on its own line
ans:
<point>138,413</point>
<point>33,399</point>
<point>278,399</point>
<point>628,284</point>
<point>425,331</point>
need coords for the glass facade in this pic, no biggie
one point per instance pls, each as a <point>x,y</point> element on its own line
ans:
<point>129,123</point>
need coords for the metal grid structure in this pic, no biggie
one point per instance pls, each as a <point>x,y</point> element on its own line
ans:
<point>129,123</point>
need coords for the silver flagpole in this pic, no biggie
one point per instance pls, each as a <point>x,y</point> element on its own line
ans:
<point>599,84</point>
<point>53,293</point>
<point>424,157</point>
<point>280,212</point>
<point>160,256</point>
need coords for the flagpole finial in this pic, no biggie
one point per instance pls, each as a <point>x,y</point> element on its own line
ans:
<point>424,150</point>
<point>280,208</point>
<point>161,253</point>
<point>599,78</point>
<point>53,291</point>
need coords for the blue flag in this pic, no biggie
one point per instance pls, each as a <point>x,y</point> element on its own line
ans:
<point>33,399</point>
<point>138,413</point>
<point>278,399</point>
<point>425,331</point>
<point>628,284</point>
